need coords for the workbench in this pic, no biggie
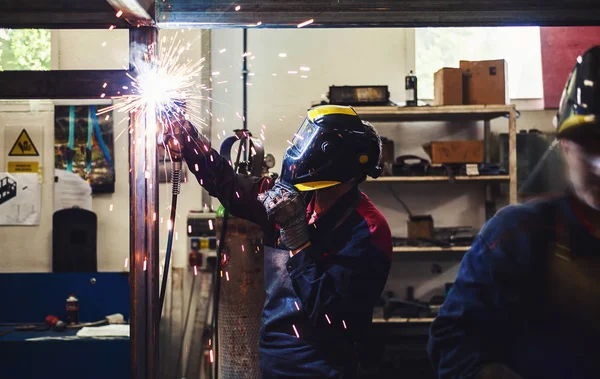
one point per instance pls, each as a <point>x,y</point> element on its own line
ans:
<point>29,297</point>
<point>89,358</point>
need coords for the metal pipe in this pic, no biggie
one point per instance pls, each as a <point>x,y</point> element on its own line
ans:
<point>144,258</point>
<point>245,92</point>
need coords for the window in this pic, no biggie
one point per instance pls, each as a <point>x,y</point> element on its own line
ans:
<point>445,47</point>
<point>24,49</point>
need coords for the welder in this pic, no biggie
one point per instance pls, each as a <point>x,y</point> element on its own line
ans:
<point>327,248</point>
<point>525,302</point>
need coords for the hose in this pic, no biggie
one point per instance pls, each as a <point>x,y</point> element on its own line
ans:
<point>176,186</point>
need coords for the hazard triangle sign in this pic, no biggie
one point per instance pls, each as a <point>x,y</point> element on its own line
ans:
<point>23,146</point>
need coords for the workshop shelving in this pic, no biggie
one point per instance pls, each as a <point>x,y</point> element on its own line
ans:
<point>418,179</point>
<point>452,113</point>
<point>428,249</point>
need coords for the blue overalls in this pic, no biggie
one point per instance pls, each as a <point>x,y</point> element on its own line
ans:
<point>527,295</point>
<point>319,303</point>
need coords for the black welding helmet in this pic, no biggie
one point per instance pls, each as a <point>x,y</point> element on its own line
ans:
<point>579,110</point>
<point>332,146</point>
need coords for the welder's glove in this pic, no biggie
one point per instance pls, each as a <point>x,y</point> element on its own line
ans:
<point>286,208</point>
<point>497,371</point>
<point>183,139</point>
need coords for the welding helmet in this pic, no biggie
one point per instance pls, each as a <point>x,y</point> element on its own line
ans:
<point>332,146</point>
<point>579,110</point>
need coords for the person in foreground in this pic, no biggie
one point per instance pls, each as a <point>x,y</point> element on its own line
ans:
<point>526,300</point>
<point>327,248</point>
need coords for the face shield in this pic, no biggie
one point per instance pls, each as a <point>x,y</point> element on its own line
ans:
<point>304,137</point>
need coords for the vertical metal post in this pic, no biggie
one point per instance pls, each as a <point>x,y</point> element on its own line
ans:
<point>144,257</point>
<point>512,154</point>
<point>490,207</point>
<point>245,145</point>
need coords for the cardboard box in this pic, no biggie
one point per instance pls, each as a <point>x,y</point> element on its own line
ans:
<point>420,227</point>
<point>448,86</point>
<point>485,82</point>
<point>443,152</point>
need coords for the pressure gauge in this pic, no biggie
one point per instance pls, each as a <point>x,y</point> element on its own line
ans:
<point>270,161</point>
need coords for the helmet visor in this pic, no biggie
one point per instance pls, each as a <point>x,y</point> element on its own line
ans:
<point>304,137</point>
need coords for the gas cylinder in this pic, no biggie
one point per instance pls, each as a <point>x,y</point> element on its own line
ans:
<point>242,296</point>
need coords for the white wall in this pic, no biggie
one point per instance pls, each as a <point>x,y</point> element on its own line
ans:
<point>352,57</point>
<point>29,249</point>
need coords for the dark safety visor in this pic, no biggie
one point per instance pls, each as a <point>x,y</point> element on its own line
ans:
<point>304,137</point>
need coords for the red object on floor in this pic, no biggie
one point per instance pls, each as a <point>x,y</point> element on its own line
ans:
<point>560,48</point>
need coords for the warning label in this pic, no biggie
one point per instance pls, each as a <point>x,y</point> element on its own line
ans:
<point>20,167</point>
<point>23,146</point>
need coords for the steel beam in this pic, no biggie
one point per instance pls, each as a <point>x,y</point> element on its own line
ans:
<point>63,84</point>
<point>57,14</point>
<point>380,13</point>
<point>144,256</point>
<point>136,12</point>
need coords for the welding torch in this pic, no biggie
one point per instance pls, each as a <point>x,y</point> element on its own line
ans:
<point>172,135</point>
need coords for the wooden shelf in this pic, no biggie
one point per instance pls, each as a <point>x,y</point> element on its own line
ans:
<point>478,178</point>
<point>428,249</point>
<point>400,320</point>
<point>434,113</point>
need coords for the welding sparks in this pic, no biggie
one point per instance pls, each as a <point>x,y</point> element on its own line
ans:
<point>111,27</point>
<point>110,208</point>
<point>195,271</point>
<point>243,248</point>
<point>104,85</point>
<point>344,323</point>
<point>212,357</point>
<point>227,275</point>
<point>119,14</point>
<point>237,8</point>
<point>161,85</point>
<point>210,224</point>
<point>296,331</point>
<point>237,194</point>
<point>126,262</point>
<point>305,23</point>
<point>292,72</point>
<point>170,224</point>
<point>145,264</point>
<point>296,304</point>
<point>328,320</point>
<point>189,229</point>
<point>304,68</point>
<point>282,55</point>
<point>222,51</point>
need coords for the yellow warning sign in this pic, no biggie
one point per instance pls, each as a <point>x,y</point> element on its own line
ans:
<point>22,167</point>
<point>23,146</point>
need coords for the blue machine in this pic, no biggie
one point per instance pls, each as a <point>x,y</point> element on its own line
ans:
<point>29,298</point>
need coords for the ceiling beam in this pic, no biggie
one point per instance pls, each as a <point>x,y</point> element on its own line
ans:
<point>382,13</point>
<point>63,84</point>
<point>57,14</point>
<point>136,12</point>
